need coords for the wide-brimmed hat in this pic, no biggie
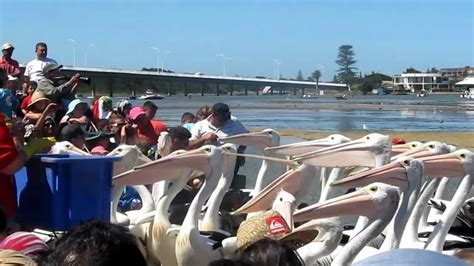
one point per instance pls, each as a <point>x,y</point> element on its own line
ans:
<point>37,96</point>
<point>73,104</point>
<point>270,224</point>
<point>51,67</point>
<point>6,46</point>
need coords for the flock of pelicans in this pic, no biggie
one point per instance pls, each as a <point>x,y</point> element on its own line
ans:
<point>397,186</point>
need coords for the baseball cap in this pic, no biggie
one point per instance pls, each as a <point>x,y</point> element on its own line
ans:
<point>51,67</point>
<point>72,105</point>
<point>221,109</point>
<point>135,112</point>
<point>397,141</point>
<point>6,46</point>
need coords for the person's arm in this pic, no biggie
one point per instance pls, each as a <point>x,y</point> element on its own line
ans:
<point>47,110</point>
<point>33,116</point>
<point>211,136</point>
<point>69,87</point>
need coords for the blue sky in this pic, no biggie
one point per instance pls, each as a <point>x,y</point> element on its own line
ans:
<point>388,36</point>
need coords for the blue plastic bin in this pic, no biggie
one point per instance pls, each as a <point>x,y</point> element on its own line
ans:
<point>57,191</point>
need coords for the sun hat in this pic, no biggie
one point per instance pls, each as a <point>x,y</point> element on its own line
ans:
<point>100,150</point>
<point>10,257</point>
<point>270,224</point>
<point>51,67</point>
<point>25,243</point>
<point>135,112</point>
<point>73,104</point>
<point>221,110</point>
<point>6,46</point>
<point>37,96</point>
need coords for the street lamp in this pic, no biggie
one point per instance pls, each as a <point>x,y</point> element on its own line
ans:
<point>85,54</point>
<point>224,58</point>
<point>73,50</point>
<point>157,58</point>
<point>163,59</point>
<point>277,68</point>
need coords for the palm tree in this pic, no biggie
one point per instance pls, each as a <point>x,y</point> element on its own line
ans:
<point>316,75</point>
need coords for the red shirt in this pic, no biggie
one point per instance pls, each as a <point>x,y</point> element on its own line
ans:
<point>11,67</point>
<point>151,131</point>
<point>25,102</point>
<point>8,154</point>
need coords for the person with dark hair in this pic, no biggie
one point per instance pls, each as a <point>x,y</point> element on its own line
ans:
<point>56,92</point>
<point>34,68</point>
<point>97,243</point>
<point>7,63</point>
<point>187,120</point>
<point>269,252</point>
<point>74,134</point>
<point>219,124</point>
<point>32,85</point>
<point>150,111</point>
<point>179,138</point>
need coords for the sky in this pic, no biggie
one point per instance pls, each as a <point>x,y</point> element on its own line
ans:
<point>387,36</point>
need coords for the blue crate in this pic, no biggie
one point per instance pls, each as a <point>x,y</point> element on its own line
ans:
<point>58,191</point>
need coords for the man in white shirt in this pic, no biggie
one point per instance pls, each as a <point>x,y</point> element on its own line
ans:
<point>34,68</point>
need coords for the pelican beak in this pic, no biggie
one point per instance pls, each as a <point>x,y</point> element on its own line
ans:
<point>356,203</point>
<point>167,168</point>
<point>260,140</point>
<point>285,209</point>
<point>77,151</point>
<point>290,163</point>
<point>289,181</point>
<point>393,173</point>
<point>302,147</point>
<point>445,165</point>
<point>351,153</point>
<point>415,153</point>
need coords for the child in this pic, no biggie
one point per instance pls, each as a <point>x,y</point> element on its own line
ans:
<point>32,85</point>
<point>38,105</point>
<point>187,120</point>
<point>74,134</point>
<point>76,114</point>
<point>98,142</point>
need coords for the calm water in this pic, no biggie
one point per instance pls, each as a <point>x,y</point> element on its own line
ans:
<point>430,119</point>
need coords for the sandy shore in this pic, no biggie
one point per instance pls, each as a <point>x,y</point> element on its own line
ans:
<point>459,139</point>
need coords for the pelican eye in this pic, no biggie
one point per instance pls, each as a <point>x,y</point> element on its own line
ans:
<point>462,155</point>
<point>413,145</point>
<point>281,199</point>
<point>406,162</point>
<point>207,149</point>
<point>373,189</point>
<point>367,137</point>
<point>431,146</point>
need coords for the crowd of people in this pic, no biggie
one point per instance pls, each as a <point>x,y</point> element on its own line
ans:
<point>38,107</point>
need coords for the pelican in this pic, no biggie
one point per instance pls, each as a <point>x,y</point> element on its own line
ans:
<point>66,147</point>
<point>260,140</point>
<point>299,148</point>
<point>400,148</point>
<point>377,201</point>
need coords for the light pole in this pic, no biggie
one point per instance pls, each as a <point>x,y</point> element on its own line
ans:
<point>277,68</point>
<point>157,58</point>
<point>163,59</point>
<point>224,58</point>
<point>73,50</point>
<point>85,54</point>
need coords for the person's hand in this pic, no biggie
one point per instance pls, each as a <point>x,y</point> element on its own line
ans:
<point>211,136</point>
<point>74,79</point>
<point>37,146</point>
<point>82,120</point>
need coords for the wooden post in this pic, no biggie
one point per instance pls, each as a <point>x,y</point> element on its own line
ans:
<point>246,91</point>
<point>202,89</point>
<point>231,89</point>
<point>257,91</point>
<point>93,88</point>
<point>302,91</point>
<point>217,89</point>
<point>280,91</point>
<point>168,84</point>
<point>185,89</point>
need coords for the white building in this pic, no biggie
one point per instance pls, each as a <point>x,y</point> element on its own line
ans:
<point>420,81</point>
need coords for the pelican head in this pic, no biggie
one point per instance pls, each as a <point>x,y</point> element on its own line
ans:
<point>309,146</point>
<point>261,140</point>
<point>285,204</point>
<point>451,165</point>
<point>396,173</point>
<point>400,148</point>
<point>66,147</point>
<point>369,201</point>
<point>130,156</point>
<point>427,149</point>
<point>164,144</point>
<point>369,151</point>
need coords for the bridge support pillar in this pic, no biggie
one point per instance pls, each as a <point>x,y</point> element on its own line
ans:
<point>271,90</point>
<point>93,88</point>
<point>280,91</point>
<point>294,91</point>
<point>231,89</point>
<point>302,91</point>
<point>217,89</point>
<point>246,91</point>
<point>168,86</point>
<point>185,89</point>
<point>202,88</point>
<point>257,91</point>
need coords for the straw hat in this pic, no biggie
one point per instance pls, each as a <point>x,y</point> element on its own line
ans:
<point>270,224</point>
<point>36,97</point>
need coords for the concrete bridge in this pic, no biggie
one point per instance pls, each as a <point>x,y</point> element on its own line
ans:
<point>110,81</point>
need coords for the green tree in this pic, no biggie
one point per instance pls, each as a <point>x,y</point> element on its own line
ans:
<point>334,79</point>
<point>412,70</point>
<point>300,76</point>
<point>346,62</point>
<point>316,75</point>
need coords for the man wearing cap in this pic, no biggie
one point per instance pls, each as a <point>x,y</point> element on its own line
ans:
<point>52,89</point>
<point>34,68</point>
<point>219,124</point>
<point>9,66</point>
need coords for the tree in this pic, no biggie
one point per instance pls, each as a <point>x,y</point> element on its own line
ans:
<point>300,76</point>
<point>412,70</point>
<point>346,62</point>
<point>316,75</point>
